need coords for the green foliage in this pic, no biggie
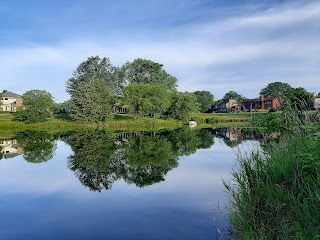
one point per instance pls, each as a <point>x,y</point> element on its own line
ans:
<point>283,91</point>
<point>60,107</point>
<point>205,99</point>
<point>280,185</point>
<point>38,146</point>
<point>137,97</point>
<point>232,95</point>
<point>96,68</point>
<point>147,72</point>
<point>92,102</point>
<point>144,98</point>
<point>182,105</point>
<point>37,106</point>
<point>301,99</point>
<point>142,159</point>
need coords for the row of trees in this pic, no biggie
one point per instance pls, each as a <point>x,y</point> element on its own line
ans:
<point>142,85</point>
<point>298,98</point>
<point>99,160</point>
<point>96,86</point>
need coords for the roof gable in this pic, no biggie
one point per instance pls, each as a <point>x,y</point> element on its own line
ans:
<point>10,94</point>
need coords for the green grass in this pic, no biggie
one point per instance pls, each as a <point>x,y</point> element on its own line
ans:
<point>276,194</point>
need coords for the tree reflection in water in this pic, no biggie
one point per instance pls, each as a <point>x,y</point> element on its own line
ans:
<point>101,158</point>
<point>38,146</point>
<point>141,158</point>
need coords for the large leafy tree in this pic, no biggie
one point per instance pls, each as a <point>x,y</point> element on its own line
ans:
<point>37,106</point>
<point>205,99</point>
<point>302,99</point>
<point>182,105</point>
<point>144,98</point>
<point>96,68</point>
<point>137,96</point>
<point>146,71</point>
<point>233,95</point>
<point>283,91</point>
<point>92,102</point>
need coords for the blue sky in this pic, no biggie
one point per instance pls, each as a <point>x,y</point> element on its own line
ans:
<point>212,45</point>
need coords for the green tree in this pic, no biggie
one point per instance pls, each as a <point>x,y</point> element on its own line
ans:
<point>92,102</point>
<point>182,105</point>
<point>144,98</point>
<point>96,68</point>
<point>38,146</point>
<point>302,99</point>
<point>283,91</point>
<point>37,106</point>
<point>159,97</point>
<point>205,98</point>
<point>137,96</point>
<point>146,71</point>
<point>233,95</point>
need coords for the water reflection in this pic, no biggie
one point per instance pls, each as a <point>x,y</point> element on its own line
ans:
<point>101,158</point>
<point>38,146</point>
<point>9,148</point>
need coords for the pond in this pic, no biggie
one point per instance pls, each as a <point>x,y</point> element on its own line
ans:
<point>97,184</point>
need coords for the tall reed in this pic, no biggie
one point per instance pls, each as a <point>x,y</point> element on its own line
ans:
<point>275,193</point>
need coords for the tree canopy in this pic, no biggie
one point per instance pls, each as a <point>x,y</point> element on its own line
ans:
<point>280,90</point>
<point>92,102</point>
<point>37,106</point>
<point>233,95</point>
<point>147,71</point>
<point>205,99</point>
<point>96,68</point>
<point>182,105</point>
<point>302,99</point>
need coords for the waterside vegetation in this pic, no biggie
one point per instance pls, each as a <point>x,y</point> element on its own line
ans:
<point>275,192</point>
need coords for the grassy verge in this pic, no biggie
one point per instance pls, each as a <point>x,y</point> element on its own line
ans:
<point>276,194</point>
<point>126,121</point>
<point>63,122</point>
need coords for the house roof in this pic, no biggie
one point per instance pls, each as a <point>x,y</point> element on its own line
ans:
<point>10,94</point>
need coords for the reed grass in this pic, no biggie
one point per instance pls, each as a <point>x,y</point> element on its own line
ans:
<point>275,194</point>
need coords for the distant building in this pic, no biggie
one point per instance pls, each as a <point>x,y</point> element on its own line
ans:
<point>261,103</point>
<point>10,148</point>
<point>225,106</point>
<point>316,96</point>
<point>10,101</point>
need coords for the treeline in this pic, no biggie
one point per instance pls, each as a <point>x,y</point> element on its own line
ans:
<point>143,87</point>
<point>299,97</point>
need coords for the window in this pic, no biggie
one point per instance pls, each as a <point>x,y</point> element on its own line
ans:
<point>267,102</point>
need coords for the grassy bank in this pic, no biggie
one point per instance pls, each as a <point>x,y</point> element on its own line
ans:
<point>276,193</point>
<point>127,122</point>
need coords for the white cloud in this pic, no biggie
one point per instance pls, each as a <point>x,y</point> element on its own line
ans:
<point>269,46</point>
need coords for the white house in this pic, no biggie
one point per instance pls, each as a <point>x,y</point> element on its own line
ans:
<point>316,100</point>
<point>10,101</point>
<point>10,148</point>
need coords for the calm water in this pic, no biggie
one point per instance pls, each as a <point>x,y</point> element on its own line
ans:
<point>104,185</point>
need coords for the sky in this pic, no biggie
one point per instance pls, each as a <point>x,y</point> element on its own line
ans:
<point>211,45</point>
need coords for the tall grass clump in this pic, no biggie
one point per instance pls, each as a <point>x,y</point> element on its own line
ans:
<point>275,192</point>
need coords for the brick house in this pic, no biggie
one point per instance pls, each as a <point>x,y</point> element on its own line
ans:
<point>261,103</point>
<point>10,101</point>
